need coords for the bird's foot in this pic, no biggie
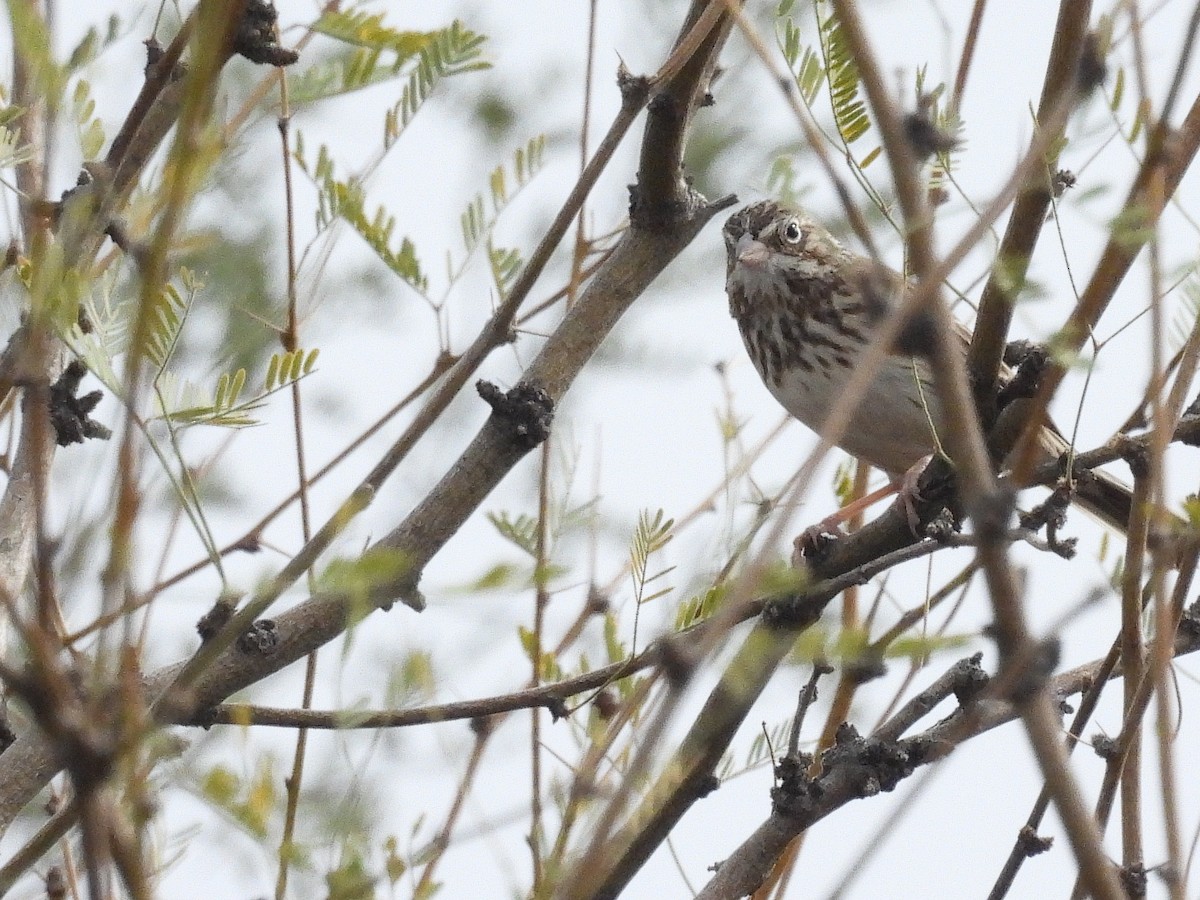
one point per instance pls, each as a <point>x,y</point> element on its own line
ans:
<point>815,540</point>
<point>909,494</point>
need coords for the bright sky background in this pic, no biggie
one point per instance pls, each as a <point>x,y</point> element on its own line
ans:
<point>639,429</point>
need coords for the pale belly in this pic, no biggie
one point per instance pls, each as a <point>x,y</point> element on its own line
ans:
<point>893,426</point>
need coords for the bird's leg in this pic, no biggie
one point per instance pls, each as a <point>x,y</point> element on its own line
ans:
<point>910,493</point>
<point>854,507</point>
<point>907,494</point>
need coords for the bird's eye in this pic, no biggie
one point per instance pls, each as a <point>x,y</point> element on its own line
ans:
<point>792,232</point>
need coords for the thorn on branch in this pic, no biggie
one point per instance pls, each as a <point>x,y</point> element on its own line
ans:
<point>925,136</point>
<point>1134,879</point>
<point>1030,843</point>
<point>1051,514</point>
<point>261,638</point>
<point>71,415</point>
<point>861,766</point>
<point>864,668</point>
<point>724,203</point>
<point>255,37</point>
<point>215,619</point>
<point>1093,69</point>
<point>526,412</point>
<point>633,88</point>
<point>606,705</point>
<point>1063,181</point>
<point>707,785</point>
<point>1030,360</point>
<point>969,679</point>
<point>482,727</point>
<point>557,707</point>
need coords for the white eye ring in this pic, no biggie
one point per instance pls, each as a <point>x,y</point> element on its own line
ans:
<point>792,232</point>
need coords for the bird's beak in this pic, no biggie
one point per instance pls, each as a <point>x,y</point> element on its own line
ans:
<point>751,253</point>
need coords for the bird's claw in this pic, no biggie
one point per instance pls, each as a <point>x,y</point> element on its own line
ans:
<point>814,542</point>
<point>909,495</point>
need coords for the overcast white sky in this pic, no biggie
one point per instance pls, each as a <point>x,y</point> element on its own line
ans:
<point>641,430</point>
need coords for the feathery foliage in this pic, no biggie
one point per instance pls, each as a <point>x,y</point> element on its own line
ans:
<point>699,607</point>
<point>89,128</point>
<point>167,314</point>
<point>827,64</point>
<point>12,151</point>
<point>450,51</point>
<point>1183,322</point>
<point>849,111</point>
<point>946,123</point>
<point>479,219</point>
<point>184,403</point>
<point>92,44</point>
<point>109,311</point>
<point>520,530</point>
<point>180,401</point>
<point>338,199</point>
<point>653,533</point>
<point>375,54</point>
<point>805,62</point>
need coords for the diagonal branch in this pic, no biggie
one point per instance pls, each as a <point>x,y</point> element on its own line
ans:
<point>1059,92</point>
<point>665,216</point>
<point>862,767</point>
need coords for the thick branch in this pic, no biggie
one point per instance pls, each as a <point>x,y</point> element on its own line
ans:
<point>997,301</point>
<point>647,248</point>
<point>1169,157</point>
<point>878,763</point>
